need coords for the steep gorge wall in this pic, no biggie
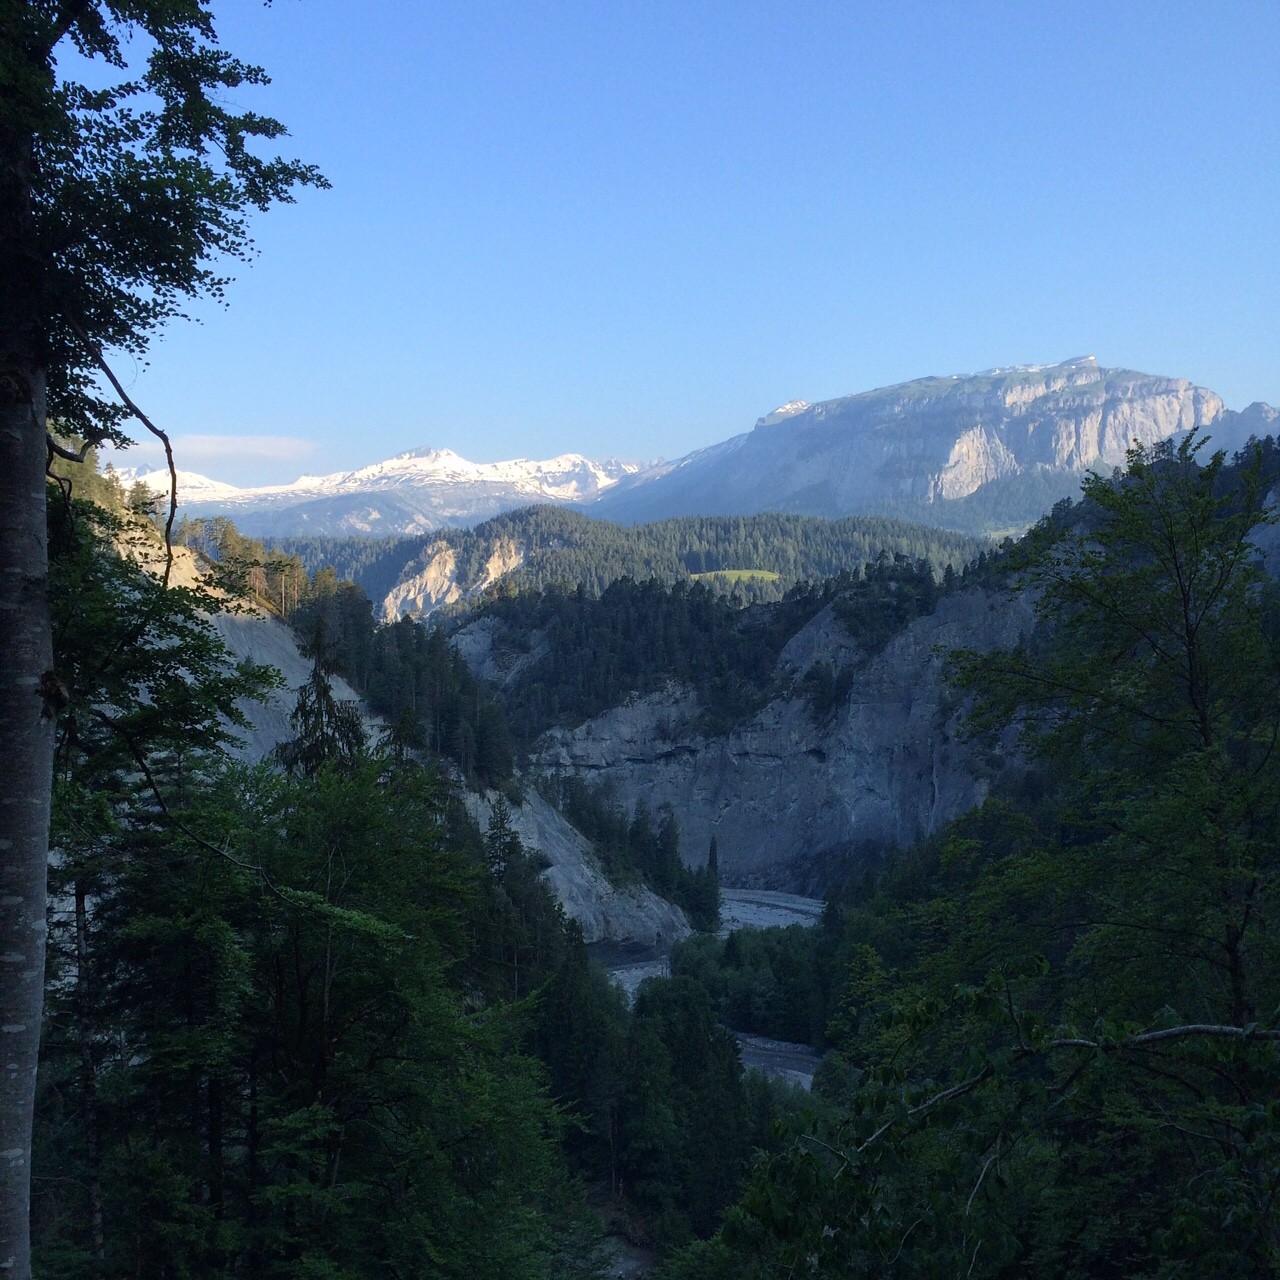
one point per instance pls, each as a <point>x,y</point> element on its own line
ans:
<point>605,912</point>
<point>786,796</point>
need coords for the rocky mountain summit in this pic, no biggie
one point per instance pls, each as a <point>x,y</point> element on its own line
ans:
<point>922,448</point>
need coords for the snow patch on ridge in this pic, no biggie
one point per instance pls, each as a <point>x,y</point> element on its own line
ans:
<point>782,413</point>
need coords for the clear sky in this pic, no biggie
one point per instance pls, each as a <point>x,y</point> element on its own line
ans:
<point>629,229</point>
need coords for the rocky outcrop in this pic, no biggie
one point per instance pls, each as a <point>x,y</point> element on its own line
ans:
<point>426,589</point>
<point>437,582</point>
<point>785,796</point>
<point>606,913</point>
<point>485,646</point>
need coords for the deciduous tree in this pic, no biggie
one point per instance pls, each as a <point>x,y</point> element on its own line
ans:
<point>116,205</point>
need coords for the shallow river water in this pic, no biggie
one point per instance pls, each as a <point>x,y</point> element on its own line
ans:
<point>629,964</point>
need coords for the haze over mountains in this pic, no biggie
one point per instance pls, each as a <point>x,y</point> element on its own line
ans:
<point>983,452</point>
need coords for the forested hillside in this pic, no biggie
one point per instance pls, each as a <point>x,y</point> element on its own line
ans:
<point>304,1018</point>
<point>561,548</point>
<point>309,1019</point>
<point>587,654</point>
<point>1053,1026</point>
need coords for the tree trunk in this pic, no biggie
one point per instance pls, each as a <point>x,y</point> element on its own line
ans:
<point>28,706</point>
<point>88,1074</point>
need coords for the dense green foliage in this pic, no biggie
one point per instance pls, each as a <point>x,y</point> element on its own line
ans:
<point>410,676</point>
<point>244,565</point>
<point>130,165</point>
<point>375,564</point>
<point>1056,1045</point>
<point>314,1022</point>
<point>262,1052</point>
<point>666,1118</point>
<point>770,982</point>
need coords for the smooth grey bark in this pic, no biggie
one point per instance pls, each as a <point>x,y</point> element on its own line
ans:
<point>28,705</point>
<point>88,1073</point>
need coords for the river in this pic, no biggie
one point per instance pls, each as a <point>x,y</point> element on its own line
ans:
<point>629,964</point>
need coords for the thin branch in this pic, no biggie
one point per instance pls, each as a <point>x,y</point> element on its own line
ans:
<point>973,1261</point>
<point>826,1146</point>
<point>61,451</point>
<point>991,1159</point>
<point>1189,1031</point>
<point>902,1244</point>
<point>96,352</point>
<point>956,1091</point>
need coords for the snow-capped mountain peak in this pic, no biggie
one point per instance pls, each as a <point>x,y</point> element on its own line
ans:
<point>411,492</point>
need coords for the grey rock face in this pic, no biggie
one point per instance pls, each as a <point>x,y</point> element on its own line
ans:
<point>929,441</point>
<point>631,913</point>
<point>480,644</point>
<point>257,637</point>
<point>784,795</point>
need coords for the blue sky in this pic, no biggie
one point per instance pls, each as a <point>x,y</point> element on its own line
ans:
<point>629,229</point>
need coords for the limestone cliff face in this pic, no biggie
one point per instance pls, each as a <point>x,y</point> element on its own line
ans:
<point>784,795</point>
<point>944,438</point>
<point>430,587</point>
<point>921,443</point>
<point>437,583</point>
<point>1070,417</point>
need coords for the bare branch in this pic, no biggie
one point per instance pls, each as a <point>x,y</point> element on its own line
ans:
<point>57,450</point>
<point>956,1091</point>
<point>991,1159</point>
<point>1189,1031</point>
<point>96,352</point>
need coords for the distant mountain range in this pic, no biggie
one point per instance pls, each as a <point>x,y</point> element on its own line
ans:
<point>412,493</point>
<point>987,452</point>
